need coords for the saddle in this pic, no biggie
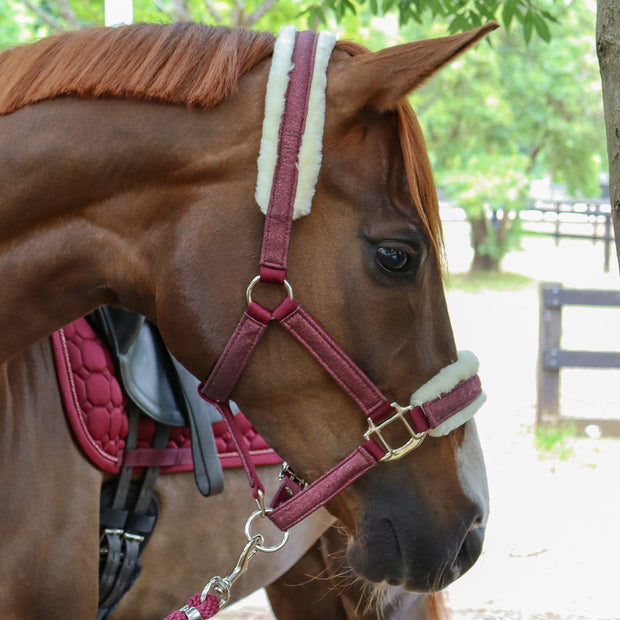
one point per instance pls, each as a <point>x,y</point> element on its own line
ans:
<point>162,388</point>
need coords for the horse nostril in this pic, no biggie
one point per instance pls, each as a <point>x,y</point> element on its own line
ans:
<point>478,522</point>
<point>470,549</point>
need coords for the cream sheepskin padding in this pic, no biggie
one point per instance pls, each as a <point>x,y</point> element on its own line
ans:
<point>309,158</point>
<point>277,83</point>
<point>458,419</point>
<point>443,382</point>
<point>310,152</point>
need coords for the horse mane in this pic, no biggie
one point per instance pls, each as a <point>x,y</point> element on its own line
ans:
<point>183,63</point>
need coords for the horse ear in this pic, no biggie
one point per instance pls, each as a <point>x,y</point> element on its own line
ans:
<point>382,78</point>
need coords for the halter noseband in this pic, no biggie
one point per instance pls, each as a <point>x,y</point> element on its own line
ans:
<point>448,400</point>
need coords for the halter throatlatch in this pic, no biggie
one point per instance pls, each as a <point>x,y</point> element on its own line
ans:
<point>288,167</point>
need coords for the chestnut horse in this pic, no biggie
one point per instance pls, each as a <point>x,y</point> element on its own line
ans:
<point>128,163</point>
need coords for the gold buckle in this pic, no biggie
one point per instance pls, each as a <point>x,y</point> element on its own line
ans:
<point>392,454</point>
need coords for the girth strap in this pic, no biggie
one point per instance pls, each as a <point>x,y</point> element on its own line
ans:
<point>127,524</point>
<point>163,390</point>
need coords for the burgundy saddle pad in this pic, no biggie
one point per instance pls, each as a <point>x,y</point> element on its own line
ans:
<point>95,407</point>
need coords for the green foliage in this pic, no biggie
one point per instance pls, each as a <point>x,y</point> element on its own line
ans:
<point>493,191</point>
<point>532,16</point>
<point>23,20</point>
<point>508,113</point>
<point>557,441</point>
<point>47,16</point>
<point>496,181</point>
<point>11,20</point>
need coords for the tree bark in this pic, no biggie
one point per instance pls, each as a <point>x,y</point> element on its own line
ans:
<point>608,49</point>
<point>479,236</point>
<point>484,262</point>
<point>46,17</point>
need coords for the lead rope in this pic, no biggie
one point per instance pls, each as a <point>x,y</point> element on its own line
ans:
<point>196,609</point>
<point>216,593</point>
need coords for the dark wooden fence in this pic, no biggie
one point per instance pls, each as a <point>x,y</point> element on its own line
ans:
<point>552,358</point>
<point>572,219</point>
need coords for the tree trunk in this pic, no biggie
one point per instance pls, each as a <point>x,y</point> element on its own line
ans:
<point>608,49</point>
<point>484,262</point>
<point>480,238</point>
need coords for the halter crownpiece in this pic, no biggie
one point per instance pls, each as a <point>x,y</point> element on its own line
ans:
<point>309,156</point>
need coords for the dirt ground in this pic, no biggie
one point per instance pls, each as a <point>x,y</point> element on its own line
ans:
<point>553,540</point>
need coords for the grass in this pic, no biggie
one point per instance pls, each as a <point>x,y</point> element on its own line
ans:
<point>556,441</point>
<point>479,281</point>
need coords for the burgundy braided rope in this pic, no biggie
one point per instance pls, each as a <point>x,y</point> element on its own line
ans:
<point>207,609</point>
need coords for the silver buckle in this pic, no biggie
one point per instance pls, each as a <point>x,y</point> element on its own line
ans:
<point>291,475</point>
<point>414,441</point>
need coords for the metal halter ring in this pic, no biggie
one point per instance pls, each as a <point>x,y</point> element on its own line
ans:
<point>256,280</point>
<point>250,536</point>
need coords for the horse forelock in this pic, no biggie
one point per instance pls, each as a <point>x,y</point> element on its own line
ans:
<point>184,63</point>
<point>420,177</point>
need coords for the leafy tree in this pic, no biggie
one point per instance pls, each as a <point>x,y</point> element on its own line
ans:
<point>508,113</point>
<point>10,19</point>
<point>532,16</point>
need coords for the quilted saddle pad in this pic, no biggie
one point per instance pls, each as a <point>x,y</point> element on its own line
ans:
<point>95,407</point>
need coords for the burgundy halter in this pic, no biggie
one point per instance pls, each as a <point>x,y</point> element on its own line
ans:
<point>441,402</point>
<point>295,501</point>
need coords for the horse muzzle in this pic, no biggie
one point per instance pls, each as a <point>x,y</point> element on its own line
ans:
<point>418,559</point>
<point>423,529</point>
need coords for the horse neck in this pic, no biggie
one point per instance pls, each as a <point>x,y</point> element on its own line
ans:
<point>86,218</point>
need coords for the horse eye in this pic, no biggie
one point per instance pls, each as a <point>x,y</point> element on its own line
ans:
<point>392,260</point>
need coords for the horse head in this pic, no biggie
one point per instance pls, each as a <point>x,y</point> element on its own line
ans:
<point>157,200</point>
<point>367,263</point>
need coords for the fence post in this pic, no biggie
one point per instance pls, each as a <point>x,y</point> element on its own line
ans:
<point>552,358</point>
<point>550,331</point>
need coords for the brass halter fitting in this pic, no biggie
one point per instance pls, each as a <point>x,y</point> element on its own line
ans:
<point>414,441</point>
